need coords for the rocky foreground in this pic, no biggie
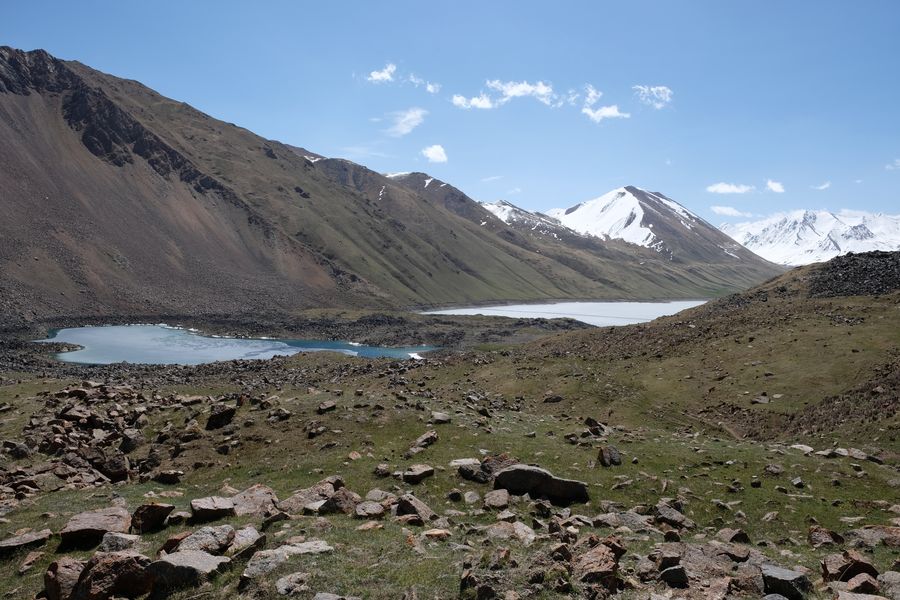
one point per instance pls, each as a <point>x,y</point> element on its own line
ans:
<point>513,530</point>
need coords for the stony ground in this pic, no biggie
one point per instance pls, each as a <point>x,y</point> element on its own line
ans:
<point>744,448</point>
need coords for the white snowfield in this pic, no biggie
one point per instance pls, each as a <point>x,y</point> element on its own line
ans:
<point>510,213</point>
<point>619,215</point>
<point>805,236</point>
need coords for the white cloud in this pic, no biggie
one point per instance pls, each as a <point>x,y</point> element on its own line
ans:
<point>435,153</point>
<point>729,211</point>
<point>540,91</point>
<point>657,96</point>
<point>729,188</point>
<point>480,101</point>
<point>823,186</point>
<point>406,120</point>
<point>604,112</point>
<point>384,75</point>
<point>775,186</point>
<point>894,166</point>
<point>514,191</point>
<point>430,87</point>
<point>491,178</point>
<point>591,95</point>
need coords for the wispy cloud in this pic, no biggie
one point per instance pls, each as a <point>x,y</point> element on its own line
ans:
<point>406,120</point>
<point>491,178</point>
<point>481,101</point>
<point>729,188</point>
<point>729,211</point>
<point>604,112</point>
<point>514,191</point>
<point>430,87</point>
<point>540,91</point>
<point>591,97</point>
<point>894,166</point>
<point>823,186</point>
<point>384,75</point>
<point>435,153</point>
<point>504,91</point>
<point>657,96</point>
<point>775,186</point>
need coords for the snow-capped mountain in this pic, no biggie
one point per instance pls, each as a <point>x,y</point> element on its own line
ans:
<point>805,236</point>
<point>651,220</point>
<point>511,214</point>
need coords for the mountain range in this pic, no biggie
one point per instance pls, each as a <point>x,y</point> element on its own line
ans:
<point>117,200</point>
<point>807,236</point>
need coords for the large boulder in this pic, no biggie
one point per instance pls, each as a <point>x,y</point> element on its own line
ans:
<point>540,483</point>
<point>220,415</point>
<point>214,540</point>
<point>322,490</point>
<point>257,500</point>
<point>793,585</point>
<point>87,529</point>
<point>211,508</point>
<point>246,542</point>
<point>266,561</point>
<point>185,569</point>
<point>32,539</point>
<point>151,517</point>
<point>342,501</point>
<point>845,566</point>
<point>61,577</point>
<point>113,574</point>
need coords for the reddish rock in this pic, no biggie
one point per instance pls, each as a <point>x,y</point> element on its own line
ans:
<point>598,565</point>
<point>150,517</point>
<point>863,584</point>
<point>109,574</point>
<point>819,536</point>
<point>342,501</point>
<point>61,578</point>
<point>846,566</point>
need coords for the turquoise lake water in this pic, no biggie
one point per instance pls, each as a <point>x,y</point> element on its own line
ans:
<point>161,344</point>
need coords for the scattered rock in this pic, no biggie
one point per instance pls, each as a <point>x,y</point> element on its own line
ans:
<point>87,529</point>
<point>32,539</point>
<point>185,569</point>
<point>539,483</point>
<point>148,518</point>
<point>417,473</point>
<point>793,585</point>
<point>109,574</point>
<point>61,577</point>
<point>211,508</point>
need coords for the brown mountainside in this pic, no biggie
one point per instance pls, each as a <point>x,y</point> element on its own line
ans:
<point>117,200</point>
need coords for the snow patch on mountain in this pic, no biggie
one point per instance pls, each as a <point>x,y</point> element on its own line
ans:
<point>620,214</point>
<point>511,214</point>
<point>806,236</point>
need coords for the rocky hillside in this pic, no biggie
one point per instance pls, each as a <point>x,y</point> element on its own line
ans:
<point>744,448</point>
<point>120,201</point>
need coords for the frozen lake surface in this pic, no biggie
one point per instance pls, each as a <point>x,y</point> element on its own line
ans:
<point>161,344</point>
<point>601,314</point>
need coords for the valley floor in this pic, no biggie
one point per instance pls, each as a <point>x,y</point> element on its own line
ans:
<point>761,429</point>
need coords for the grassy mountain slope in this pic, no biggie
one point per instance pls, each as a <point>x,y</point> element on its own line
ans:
<point>122,201</point>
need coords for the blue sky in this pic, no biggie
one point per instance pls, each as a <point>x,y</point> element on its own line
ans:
<point>765,100</point>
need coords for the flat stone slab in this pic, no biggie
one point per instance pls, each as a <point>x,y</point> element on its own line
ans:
<point>540,483</point>
<point>266,561</point>
<point>184,569</point>
<point>211,508</point>
<point>88,528</point>
<point>32,539</point>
